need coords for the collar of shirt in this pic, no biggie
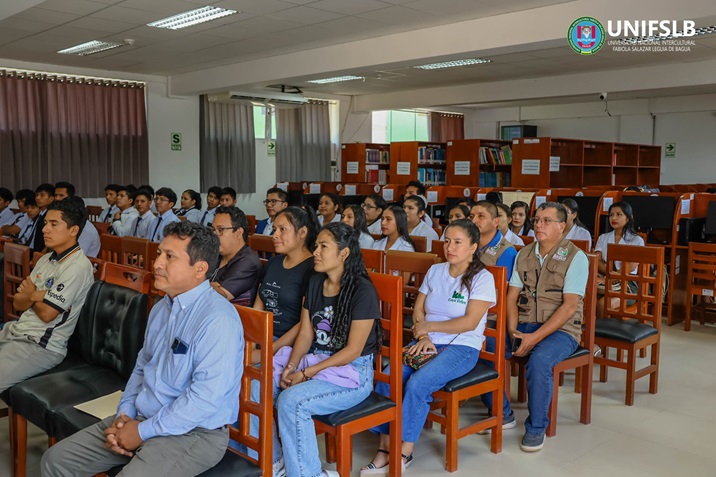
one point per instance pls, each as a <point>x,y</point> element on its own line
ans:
<point>167,215</point>
<point>495,240</point>
<point>148,214</point>
<point>60,257</point>
<point>189,297</point>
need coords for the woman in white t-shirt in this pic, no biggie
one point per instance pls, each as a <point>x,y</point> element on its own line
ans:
<point>505,215</point>
<point>621,220</point>
<point>329,209</point>
<point>415,212</point>
<point>450,316</point>
<point>394,227</point>
<point>575,229</point>
<point>354,216</point>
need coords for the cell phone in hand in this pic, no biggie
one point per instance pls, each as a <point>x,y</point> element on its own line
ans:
<point>516,342</point>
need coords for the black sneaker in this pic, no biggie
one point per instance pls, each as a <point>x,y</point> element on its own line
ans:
<point>532,442</point>
<point>508,422</point>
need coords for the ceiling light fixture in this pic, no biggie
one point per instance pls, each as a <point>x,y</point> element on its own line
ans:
<point>453,64</point>
<point>192,17</point>
<point>336,79</point>
<point>709,30</point>
<point>90,48</point>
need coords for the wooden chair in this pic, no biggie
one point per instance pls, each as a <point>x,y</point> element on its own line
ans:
<point>701,280</point>
<point>152,251</point>
<point>126,276</point>
<point>445,410</point>
<point>376,409</point>
<point>582,360</point>
<point>438,248</point>
<point>251,219</point>
<point>413,267</point>
<point>102,227</point>
<point>632,327</point>
<point>374,260</point>
<point>110,248</point>
<point>584,245</point>
<point>134,251</point>
<point>17,268</point>
<point>258,334</point>
<point>527,239</point>
<point>376,236</point>
<point>99,267</point>
<point>93,213</point>
<point>263,246</point>
<point>420,243</point>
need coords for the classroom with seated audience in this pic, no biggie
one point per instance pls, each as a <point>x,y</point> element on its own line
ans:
<point>482,235</point>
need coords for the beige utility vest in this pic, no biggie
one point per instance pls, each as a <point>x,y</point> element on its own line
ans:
<point>491,255</point>
<point>543,286</point>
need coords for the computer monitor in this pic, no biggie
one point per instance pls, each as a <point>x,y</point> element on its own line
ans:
<point>652,211</point>
<point>312,200</point>
<point>295,197</point>
<point>347,200</point>
<point>710,228</point>
<point>588,206</point>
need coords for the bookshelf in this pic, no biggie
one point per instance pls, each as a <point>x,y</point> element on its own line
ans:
<point>479,163</point>
<point>365,162</point>
<point>413,160</point>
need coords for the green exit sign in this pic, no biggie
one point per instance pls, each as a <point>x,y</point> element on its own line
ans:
<point>176,141</point>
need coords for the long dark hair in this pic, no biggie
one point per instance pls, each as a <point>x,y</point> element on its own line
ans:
<point>629,228</point>
<point>401,221</point>
<point>527,226</point>
<point>476,265</point>
<point>572,205</point>
<point>306,217</point>
<point>346,237</point>
<point>359,221</point>
<point>463,208</point>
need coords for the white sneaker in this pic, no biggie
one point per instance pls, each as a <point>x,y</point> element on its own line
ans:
<point>331,473</point>
<point>279,468</point>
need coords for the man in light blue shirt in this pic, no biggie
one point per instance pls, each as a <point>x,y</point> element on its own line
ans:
<point>143,203</point>
<point>165,199</point>
<point>184,388</point>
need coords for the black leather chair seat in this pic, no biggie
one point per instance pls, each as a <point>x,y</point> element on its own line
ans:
<point>372,404</point>
<point>68,420</point>
<point>479,374</point>
<point>630,331</point>
<point>407,322</point>
<point>578,352</point>
<point>36,398</point>
<point>233,464</point>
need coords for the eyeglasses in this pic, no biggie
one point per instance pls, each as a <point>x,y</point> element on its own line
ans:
<point>219,231</point>
<point>161,199</point>
<point>544,220</point>
<point>273,201</point>
<point>368,206</point>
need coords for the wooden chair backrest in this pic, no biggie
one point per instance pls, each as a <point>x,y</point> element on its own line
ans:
<point>262,245</point>
<point>413,267</point>
<point>134,251</point>
<point>152,251</point>
<point>258,334</point>
<point>590,302</point>
<point>251,219</point>
<point>438,248</point>
<point>129,277</point>
<point>374,260</point>
<point>389,288</point>
<point>420,243</point>
<point>648,299</point>
<point>527,239</point>
<point>110,248</point>
<point>102,227</point>
<point>701,277</point>
<point>499,314</point>
<point>376,236</point>
<point>17,268</point>
<point>583,245</point>
<point>99,266</point>
<point>93,213</point>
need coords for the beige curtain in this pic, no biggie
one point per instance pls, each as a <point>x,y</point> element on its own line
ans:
<point>228,146</point>
<point>445,127</point>
<point>303,143</point>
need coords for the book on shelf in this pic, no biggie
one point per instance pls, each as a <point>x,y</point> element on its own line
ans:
<point>495,179</point>
<point>431,177</point>
<point>373,175</point>
<point>431,155</point>
<point>495,155</point>
<point>377,156</point>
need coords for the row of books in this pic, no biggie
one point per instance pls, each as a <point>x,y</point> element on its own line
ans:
<point>494,155</point>
<point>377,156</point>
<point>376,176</point>
<point>431,155</point>
<point>495,179</point>
<point>432,177</point>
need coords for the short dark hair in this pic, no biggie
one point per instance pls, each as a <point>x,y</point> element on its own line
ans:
<point>238,219</point>
<point>278,191</point>
<point>6,194</point>
<point>216,190</point>
<point>145,192</point>
<point>66,185</point>
<point>195,196</point>
<point>229,191</point>
<point>147,187</point>
<point>73,211</point>
<point>561,211</point>
<point>203,242</point>
<point>130,190</point>
<point>30,201</point>
<point>49,188</point>
<point>113,187</point>
<point>494,196</point>
<point>168,193</point>
<point>24,194</point>
<point>490,207</point>
<point>418,184</point>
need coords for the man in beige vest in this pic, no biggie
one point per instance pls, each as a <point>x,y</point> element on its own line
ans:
<point>544,311</point>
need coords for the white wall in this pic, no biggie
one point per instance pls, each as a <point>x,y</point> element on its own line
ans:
<point>251,204</point>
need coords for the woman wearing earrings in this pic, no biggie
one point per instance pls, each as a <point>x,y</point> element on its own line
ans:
<point>394,227</point>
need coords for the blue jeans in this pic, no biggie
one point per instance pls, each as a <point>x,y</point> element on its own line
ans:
<point>419,385</point>
<point>487,398</point>
<point>542,359</point>
<point>296,406</point>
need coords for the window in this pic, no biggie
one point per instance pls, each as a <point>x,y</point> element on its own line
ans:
<point>399,125</point>
<point>260,129</point>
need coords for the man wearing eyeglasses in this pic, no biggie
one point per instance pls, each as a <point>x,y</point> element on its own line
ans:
<point>240,268</point>
<point>276,201</point>
<point>544,311</point>
<point>164,199</point>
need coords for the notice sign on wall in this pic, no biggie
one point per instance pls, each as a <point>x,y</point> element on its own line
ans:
<point>351,167</point>
<point>403,168</point>
<point>176,141</point>
<point>462,168</point>
<point>530,167</point>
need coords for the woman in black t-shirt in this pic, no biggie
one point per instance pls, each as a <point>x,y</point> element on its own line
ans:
<point>340,322</point>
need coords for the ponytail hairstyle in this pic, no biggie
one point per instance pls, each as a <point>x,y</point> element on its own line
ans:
<point>401,221</point>
<point>572,205</point>
<point>380,203</point>
<point>629,228</point>
<point>419,203</point>
<point>476,265</point>
<point>305,217</point>
<point>359,221</point>
<point>527,226</point>
<point>464,209</point>
<point>335,199</point>
<point>354,269</point>
<point>196,197</point>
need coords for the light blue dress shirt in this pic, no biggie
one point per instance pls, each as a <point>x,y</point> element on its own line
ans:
<point>89,240</point>
<point>155,232</point>
<point>188,374</point>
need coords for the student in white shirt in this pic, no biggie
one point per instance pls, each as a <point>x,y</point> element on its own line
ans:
<point>373,206</point>
<point>212,203</point>
<point>459,211</point>
<point>521,224</point>
<point>124,219</point>
<point>394,227</point>
<point>354,216</point>
<point>575,229</point>
<point>110,195</point>
<point>7,216</point>
<point>505,215</point>
<point>329,209</point>
<point>165,200</point>
<point>415,211</point>
<point>143,203</point>
<point>20,220</point>
<point>190,206</point>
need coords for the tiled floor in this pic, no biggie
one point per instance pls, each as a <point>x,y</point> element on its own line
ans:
<point>670,433</point>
